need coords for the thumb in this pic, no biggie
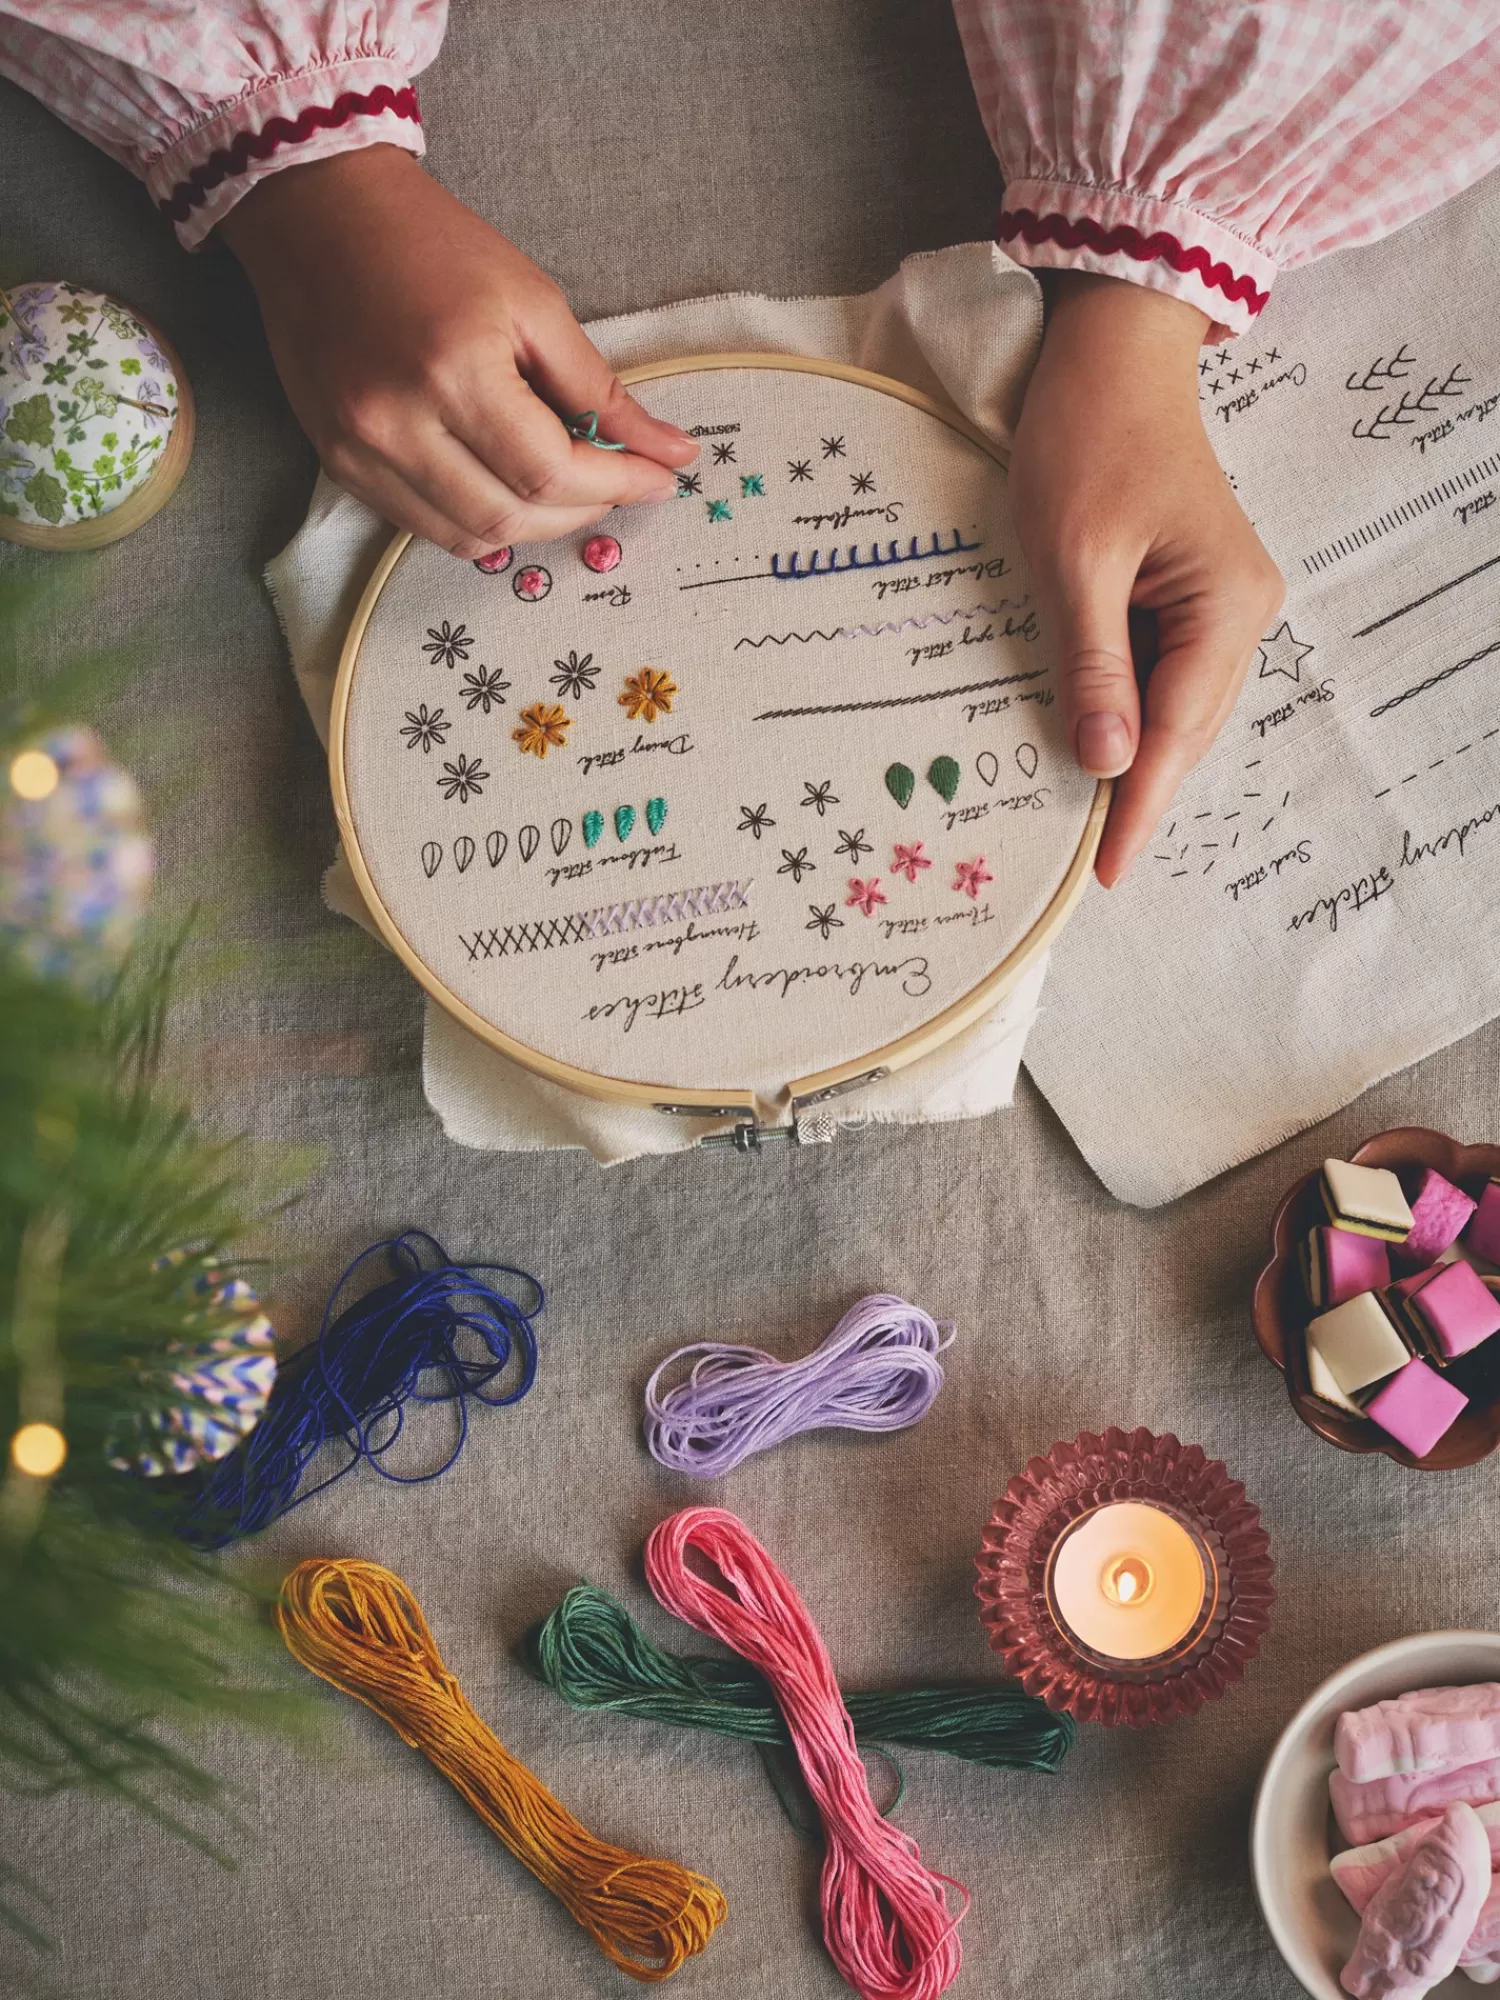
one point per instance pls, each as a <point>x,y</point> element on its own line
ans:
<point>1088,608</point>
<point>569,372</point>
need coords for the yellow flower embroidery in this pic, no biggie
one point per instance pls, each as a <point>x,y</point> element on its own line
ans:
<point>648,694</point>
<point>543,725</point>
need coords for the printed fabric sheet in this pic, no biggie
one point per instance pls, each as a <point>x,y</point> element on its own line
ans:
<point>1319,907</point>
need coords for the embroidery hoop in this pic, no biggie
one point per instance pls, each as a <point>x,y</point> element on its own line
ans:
<point>799,1093</point>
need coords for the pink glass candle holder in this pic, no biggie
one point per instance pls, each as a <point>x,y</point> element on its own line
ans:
<point>1058,1597</point>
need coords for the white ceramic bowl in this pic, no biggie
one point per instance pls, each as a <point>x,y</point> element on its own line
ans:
<point>1313,1926</point>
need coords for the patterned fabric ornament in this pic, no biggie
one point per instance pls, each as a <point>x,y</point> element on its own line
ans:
<point>88,412</point>
<point>216,1389</point>
<point>76,863</point>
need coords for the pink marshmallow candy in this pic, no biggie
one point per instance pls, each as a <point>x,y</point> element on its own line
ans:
<point>1417,1407</point>
<point>1373,1811</point>
<point>1456,1306</point>
<point>1440,1213</point>
<point>1359,1871</point>
<point>1429,1729</point>
<point>1483,1236</point>
<point>1419,1920</point>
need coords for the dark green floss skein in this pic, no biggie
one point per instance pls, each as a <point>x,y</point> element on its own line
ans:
<point>591,1652</point>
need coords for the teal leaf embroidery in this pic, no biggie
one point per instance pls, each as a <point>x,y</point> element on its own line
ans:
<point>656,813</point>
<point>31,421</point>
<point>943,775</point>
<point>624,821</point>
<point>901,782</point>
<point>593,827</point>
<point>46,496</point>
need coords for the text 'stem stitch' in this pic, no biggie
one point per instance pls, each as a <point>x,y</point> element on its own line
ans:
<point>612,920</point>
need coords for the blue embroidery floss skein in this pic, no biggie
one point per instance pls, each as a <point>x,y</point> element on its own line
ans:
<point>433,1332</point>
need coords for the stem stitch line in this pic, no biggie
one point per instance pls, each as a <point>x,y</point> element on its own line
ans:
<point>901,700</point>
<point>1433,680</point>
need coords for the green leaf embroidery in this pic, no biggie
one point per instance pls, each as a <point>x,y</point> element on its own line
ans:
<point>593,827</point>
<point>130,366</point>
<point>624,821</point>
<point>31,421</point>
<point>46,496</point>
<point>943,775</point>
<point>900,782</point>
<point>656,813</point>
<point>57,371</point>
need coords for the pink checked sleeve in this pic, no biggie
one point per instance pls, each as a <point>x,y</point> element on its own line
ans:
<point>202,100</point>
<point>1200,146</point>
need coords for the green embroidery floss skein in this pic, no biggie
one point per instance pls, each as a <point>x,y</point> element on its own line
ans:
<point>591,1652</point>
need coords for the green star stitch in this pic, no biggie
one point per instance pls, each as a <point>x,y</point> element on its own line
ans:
<point>718,510</point>
<point>752,485</point>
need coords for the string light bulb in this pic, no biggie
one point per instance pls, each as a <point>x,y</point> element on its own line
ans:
<point>34,775</point>
<point>38,1449</point>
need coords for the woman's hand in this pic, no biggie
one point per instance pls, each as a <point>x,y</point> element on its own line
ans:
<point>1121,506</point>
<point>432,364</point>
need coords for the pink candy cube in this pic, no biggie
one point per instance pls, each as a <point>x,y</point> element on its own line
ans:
<point>1483,1236</point>
<point>1440,1213</point>
<point>1417,1407</point>
<point>1340,1265</point>
<point>1455,1307</point>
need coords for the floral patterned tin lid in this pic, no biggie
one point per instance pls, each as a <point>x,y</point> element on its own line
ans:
<point>89,403</point>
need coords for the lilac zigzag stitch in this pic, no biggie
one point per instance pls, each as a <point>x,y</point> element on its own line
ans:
<point>874,631</point>
<point>646,911</point>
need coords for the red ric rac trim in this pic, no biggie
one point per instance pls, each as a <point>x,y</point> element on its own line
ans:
<point>1087,234</point>
<point>248,146</point>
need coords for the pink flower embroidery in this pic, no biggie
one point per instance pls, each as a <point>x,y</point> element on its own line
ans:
<point>907,860</point>
<point>970,875</point>
<point>865,895</point>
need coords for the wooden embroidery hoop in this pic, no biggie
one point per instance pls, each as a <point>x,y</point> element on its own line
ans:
<point>98,530</point>
<point>674,1099</point>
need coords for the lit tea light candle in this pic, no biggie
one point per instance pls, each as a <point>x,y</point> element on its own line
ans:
<point>1128,1581</point>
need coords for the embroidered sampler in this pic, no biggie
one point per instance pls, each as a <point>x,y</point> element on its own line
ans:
<point>1319,906</point>
<point>732,791</point>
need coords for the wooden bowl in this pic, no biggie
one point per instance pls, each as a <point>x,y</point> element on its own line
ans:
<point>1281,1309</point>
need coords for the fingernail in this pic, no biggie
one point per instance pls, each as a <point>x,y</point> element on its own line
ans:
<point>667,491</point>
<point>1102,742</point>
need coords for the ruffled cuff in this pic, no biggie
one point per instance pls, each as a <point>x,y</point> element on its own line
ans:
<point>1062,225</point>
<point>331,108</point>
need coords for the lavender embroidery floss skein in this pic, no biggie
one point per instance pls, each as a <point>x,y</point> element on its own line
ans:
<point>877,1371</point>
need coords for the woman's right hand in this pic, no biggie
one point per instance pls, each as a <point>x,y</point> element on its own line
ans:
<point>1121,506</point>
<point>432,364</point>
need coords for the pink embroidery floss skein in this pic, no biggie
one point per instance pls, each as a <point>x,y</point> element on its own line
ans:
<point>885,1916</point>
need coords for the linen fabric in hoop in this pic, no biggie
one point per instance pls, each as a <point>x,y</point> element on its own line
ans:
<point>785,793</point>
